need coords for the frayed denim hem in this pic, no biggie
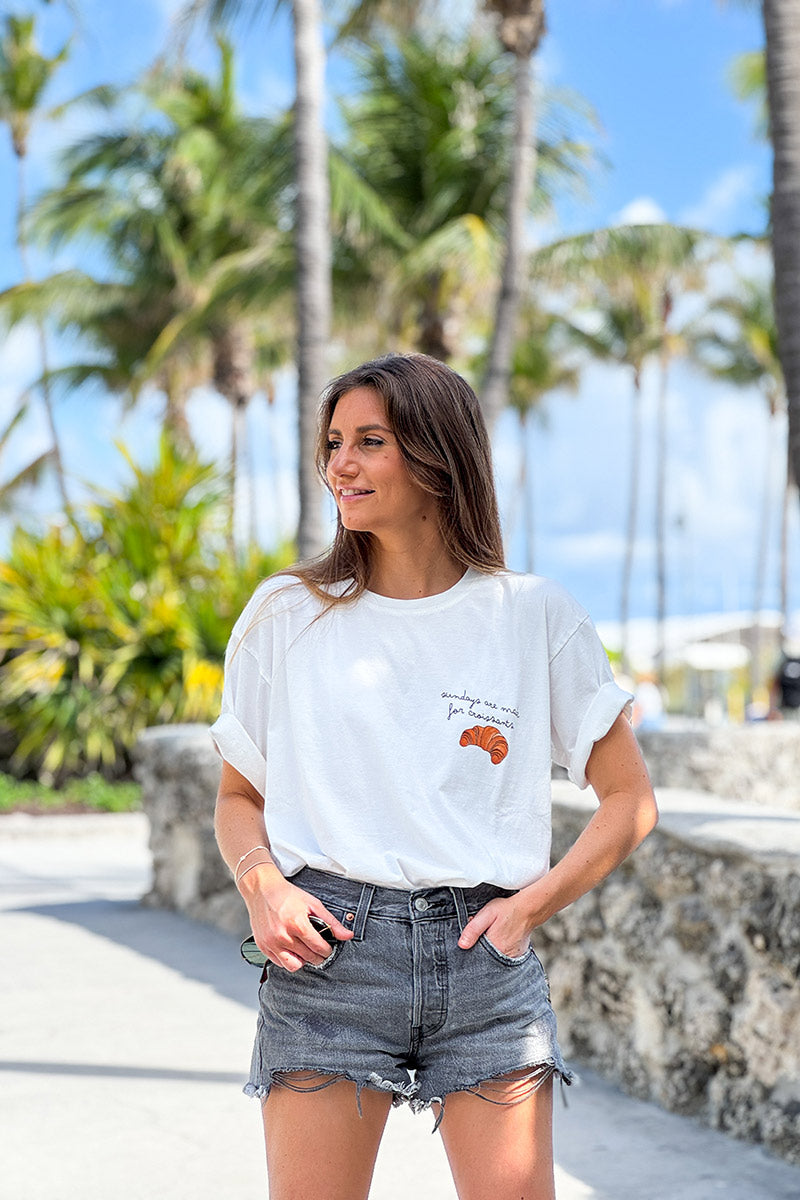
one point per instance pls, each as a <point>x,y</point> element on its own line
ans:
<point>530,1077</point>
<point>313,1079</point>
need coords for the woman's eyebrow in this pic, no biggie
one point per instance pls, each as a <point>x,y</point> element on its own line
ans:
<point>362,429</point>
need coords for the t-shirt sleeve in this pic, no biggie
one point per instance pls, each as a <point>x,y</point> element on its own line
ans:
<point>240,731</point>
<point>584,699</point>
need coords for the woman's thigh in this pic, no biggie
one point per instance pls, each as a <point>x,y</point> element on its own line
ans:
<point>317,1143</point>
<point>501,1149</point>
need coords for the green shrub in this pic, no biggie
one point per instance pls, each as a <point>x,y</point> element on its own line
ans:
<point>93,793</point>
<point>121,621</point>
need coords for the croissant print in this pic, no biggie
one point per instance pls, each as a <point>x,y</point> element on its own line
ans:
<point>487,738</point>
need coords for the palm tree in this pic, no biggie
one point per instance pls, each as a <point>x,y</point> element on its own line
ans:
<point>743,351</point>
<point>521,27</point>
<point>24,77</point>
<point>782,29</point>
<point>629,275</point>
<point>429,132</point>
<point>423,134</point>
<point>186,211</point>
<point>539,367</point>
<point>312,242</point>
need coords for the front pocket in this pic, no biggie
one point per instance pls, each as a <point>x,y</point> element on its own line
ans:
<point>337,947</point>
<point>326,962</point>
<point>505,959</point>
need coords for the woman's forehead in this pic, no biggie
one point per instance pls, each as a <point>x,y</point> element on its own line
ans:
<point>360,406</point>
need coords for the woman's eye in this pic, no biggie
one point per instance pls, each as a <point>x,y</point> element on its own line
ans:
<point>334,444</point>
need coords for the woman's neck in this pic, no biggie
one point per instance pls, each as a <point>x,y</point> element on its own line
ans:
<point>411,572</point>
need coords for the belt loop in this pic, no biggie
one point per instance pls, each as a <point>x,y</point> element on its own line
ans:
<point>362,911</point>
<point>461,907</point>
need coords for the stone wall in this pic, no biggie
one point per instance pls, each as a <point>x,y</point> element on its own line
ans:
<point>179,769</point>
<point>678,977</point>
<point>757,762</point>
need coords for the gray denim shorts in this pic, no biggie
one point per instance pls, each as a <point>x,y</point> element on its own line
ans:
<point>400,1007</point>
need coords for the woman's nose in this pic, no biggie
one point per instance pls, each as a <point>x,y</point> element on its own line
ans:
<point>341,462</point>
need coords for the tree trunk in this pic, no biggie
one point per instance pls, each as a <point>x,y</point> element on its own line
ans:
<point>313,249</point>
<point>431,338</point>
<point>234,379</point>
<point>233,479</point>
<point>661,516</point>
<point>528,515</point>
<point>782,29</point>
<point>494,392</point>
<point>762,552</point>
<point>633,509</point>
<point>272,460</point>
<point>784,550</point>
<point>176,422</point>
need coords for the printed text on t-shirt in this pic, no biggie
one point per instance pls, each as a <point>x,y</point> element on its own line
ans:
<point>478,709</point>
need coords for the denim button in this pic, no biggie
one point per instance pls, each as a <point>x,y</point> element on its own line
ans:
<point>421,904</point>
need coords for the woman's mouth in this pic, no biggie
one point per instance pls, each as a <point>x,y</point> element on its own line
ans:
<point>347,495</point>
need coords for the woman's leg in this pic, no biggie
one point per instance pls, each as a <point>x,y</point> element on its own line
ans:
<point>318,1147</point>
<point>501,1151</point>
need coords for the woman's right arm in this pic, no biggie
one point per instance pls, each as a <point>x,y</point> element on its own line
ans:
<point>278,910</point>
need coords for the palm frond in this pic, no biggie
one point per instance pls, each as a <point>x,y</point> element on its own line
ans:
<point>29,476</point>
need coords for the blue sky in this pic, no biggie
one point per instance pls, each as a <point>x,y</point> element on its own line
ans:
<point>679,146</point>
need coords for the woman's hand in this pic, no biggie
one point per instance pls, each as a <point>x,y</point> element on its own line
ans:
<point>506,926</point>
<point>626,814</point>
<point>279,913</point>
<point>278,910</point>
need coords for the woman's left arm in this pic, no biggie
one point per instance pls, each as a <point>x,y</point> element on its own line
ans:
<point>626,814</point>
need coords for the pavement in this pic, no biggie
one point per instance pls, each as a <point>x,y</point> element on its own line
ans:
<point>125,1036</point>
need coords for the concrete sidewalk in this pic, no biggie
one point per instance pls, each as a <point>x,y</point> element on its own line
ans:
<point>125,1036</point>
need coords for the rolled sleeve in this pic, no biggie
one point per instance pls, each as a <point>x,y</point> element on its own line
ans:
<point>236,746</point>
<point>584,700</point>
<point>240,731</point>
<point>603,711</point>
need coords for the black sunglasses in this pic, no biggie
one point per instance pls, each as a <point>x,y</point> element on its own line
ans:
<point>257,958</point>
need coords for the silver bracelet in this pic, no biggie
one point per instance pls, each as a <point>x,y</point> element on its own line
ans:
<point>247,855</point>
<point>264,862</point>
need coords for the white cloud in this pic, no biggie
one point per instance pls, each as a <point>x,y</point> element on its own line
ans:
<point>719,201</point>
<point>644,210</point>
<point>587,549</point>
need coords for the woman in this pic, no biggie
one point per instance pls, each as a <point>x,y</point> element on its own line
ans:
<point>389,718</point>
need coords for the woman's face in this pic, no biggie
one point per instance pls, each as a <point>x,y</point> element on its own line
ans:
<point>366,472</point>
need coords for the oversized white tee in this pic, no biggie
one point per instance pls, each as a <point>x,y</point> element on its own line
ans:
<point>408,743</point>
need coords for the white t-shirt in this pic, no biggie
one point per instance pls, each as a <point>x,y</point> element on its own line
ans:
<point>356,728</point>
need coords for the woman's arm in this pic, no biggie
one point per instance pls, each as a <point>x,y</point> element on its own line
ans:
<point>626,814</point>
<point>278,910</point>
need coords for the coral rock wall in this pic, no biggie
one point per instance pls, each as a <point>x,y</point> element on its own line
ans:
<point>679,977</point>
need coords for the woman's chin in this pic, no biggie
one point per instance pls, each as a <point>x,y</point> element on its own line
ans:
<point>351,522</point>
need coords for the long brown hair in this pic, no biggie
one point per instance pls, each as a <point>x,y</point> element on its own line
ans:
<point>442,436</point>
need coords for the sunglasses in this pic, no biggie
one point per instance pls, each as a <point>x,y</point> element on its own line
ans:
<point>257,958</point>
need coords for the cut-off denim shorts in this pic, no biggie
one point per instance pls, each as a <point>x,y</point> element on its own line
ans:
<point>401,1008</point>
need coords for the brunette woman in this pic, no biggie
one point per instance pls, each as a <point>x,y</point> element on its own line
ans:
<point>390,716</point>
